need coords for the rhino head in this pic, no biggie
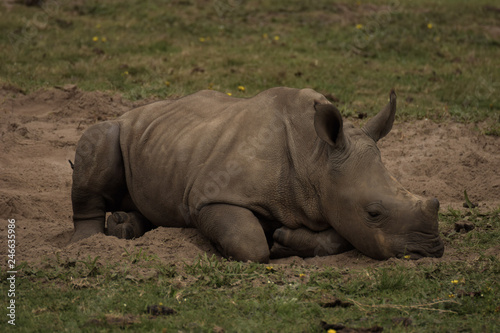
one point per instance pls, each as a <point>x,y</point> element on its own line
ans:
<point>362,201</point>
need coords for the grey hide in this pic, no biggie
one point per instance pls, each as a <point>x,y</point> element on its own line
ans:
<point>275,175</point>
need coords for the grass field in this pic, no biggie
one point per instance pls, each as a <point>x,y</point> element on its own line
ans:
<point>212,295</point>
<point>442,57</point>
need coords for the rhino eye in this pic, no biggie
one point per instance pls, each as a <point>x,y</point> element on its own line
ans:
<point>375,211</point>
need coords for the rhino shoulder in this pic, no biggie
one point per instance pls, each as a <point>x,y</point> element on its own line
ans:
<point>309,95</point>
<point>291,100</point>
<point>207,94</point>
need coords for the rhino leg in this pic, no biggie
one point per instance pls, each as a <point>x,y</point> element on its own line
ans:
<point>304,243</point>
<point>98,179</point>
<point>128,225</point>
<point>235,231</point>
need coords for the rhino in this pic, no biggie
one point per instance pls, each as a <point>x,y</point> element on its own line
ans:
<point>275,175</point>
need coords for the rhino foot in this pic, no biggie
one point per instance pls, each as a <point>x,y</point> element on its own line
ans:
<point>127,225</point>
<point>87,228</point>
<point>305,243</point>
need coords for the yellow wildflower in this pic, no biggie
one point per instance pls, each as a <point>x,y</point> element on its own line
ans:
<point>103,39</point>
<point>276,37</point>
<point>229,94</point>
<point>241,88</point>
<point>407,256</point>
<point>331,330</point>
<point>451,296</point>
<point>454,281</point>
<point>95,38</point>
<point>429,25</point>
<point>359,26</point>
<point>125,73</point>
<point>301,275</point>
<point>167,83</point>
<point>160,304</point>
<point>269,268</point>
<point>202,39</point>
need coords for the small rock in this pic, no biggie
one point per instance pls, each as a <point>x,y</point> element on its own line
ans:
<point>197,70</point>
<point>362,115</point>
<point>343,329</point>
<point>464,225</point>
<point>402,321</point>
<point>332,302</point>
<point>67,87</point>
<point>157,310</point>
<point>474,205</point>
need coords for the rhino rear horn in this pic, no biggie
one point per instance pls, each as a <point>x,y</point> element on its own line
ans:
<point>380,125</point>
<point>328,124</point>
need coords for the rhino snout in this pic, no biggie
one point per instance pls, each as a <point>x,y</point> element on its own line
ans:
<point>419,249</point>
<point>432,205</point>
<point>429,208</point>
<point>429,216</point>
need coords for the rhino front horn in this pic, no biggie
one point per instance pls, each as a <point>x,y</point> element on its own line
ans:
<point>380,125</point>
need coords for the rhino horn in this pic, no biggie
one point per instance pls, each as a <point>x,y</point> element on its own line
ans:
<point>328,124</point>
<point>380,125</point>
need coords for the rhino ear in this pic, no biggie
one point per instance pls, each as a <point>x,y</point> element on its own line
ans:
<point>328,124</point>
<point>380,125</point>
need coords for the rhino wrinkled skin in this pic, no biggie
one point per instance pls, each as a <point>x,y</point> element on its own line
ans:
<point>275,175</point>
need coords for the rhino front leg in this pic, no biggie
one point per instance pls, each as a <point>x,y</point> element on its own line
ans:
<point>305,243</point>
<point>235,231</point>
<point>98,179</point>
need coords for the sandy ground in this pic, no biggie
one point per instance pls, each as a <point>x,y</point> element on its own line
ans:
<point>38,135</point>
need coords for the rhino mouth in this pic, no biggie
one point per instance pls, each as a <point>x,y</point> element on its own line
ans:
<point>433,248</point>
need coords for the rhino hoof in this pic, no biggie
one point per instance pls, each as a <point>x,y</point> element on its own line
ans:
<point>121,225</point>
<point>279,251</point>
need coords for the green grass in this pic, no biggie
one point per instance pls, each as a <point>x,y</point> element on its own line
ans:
<point>91,295</point>
<point>460,294</point>
<point>446,70</point>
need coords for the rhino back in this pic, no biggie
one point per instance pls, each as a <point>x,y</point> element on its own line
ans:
<point>208,147</point>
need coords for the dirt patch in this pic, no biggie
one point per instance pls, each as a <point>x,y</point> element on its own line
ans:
<point>38,135</point>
